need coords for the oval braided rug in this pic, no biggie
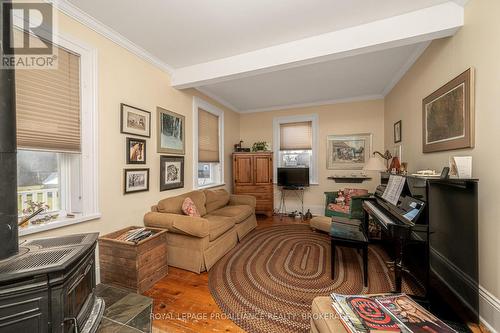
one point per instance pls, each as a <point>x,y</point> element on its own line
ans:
<point>268,281</point>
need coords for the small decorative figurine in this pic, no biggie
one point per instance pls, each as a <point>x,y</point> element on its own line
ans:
<point>340,199</point>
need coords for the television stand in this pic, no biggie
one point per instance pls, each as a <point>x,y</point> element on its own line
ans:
<point>298,192</point>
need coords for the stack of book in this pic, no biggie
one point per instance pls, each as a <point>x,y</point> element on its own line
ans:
<point>135,235</point>
<point>385,314</point>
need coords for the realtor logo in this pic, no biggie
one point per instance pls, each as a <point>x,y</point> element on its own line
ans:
<point>29,44</point>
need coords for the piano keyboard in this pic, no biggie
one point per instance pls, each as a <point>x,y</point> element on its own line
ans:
<point>378,214</point>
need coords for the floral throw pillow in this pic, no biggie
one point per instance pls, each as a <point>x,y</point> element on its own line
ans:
<point>189,208</point>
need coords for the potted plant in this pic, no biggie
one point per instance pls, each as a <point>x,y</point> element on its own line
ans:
<point>260,146</point>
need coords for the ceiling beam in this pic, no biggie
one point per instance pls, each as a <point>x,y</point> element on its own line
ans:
<point>414,27</point>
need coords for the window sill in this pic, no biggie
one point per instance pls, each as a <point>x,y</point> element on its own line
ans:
<point>205,187</point>
<point>63,222</point>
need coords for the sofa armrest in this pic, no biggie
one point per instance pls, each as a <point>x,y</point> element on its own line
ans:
<point>175,223</point>
<point>240,199</point>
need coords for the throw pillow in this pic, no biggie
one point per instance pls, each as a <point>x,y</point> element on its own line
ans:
<point>189,208</point>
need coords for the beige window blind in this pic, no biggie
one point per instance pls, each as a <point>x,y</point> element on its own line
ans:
<point>208,137</point>
<point>296,136</point>
<point>48,106</point>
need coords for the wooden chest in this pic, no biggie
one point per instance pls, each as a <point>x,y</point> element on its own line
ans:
<point>130,265</point>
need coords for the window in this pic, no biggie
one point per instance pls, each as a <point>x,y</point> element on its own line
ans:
<point>208,145</point>
<point>56,139</point>
<point>295,143</point>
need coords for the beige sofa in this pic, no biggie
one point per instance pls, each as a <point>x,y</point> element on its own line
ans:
<point>196,243</point>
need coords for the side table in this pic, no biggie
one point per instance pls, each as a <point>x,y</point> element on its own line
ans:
<point>137,266</point>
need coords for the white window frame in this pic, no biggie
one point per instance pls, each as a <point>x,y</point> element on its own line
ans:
<point>199,103</point>
<point>89,183</point>
<point>313,118</point>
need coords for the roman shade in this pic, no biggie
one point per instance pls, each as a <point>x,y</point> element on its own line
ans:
<point>296,136</point>
<point>48,105</point>
<point>208,137</point>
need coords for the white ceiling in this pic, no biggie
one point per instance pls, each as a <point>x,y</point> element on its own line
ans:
<point>365,76</point>
<point>179,35</point>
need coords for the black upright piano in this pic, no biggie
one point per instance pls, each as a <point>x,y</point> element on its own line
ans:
<point>431,232</point>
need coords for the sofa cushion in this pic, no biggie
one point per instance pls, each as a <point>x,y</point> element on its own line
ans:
<point>216,199</point>
<point>189,208</point>
<point>218,225</point>
<point>238,212</point>
<point>173,205</point>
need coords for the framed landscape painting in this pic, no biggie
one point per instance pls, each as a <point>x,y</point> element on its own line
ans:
<point>348,152</point>
<point>171,172</point>
<point>171,130</point>
<point>135,121</point>
<point>136,180</point>
<point>448,115</point>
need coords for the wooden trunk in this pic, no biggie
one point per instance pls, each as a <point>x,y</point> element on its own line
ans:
<point>133,266</point>
<point>253,175</point>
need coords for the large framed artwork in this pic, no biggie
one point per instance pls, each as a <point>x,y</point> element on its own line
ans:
<point>135,121</point>
<point>171,130</point>
<point>448,115</point>
<point>348,152</point>
<point>171,172</point>
<point>136,180</point>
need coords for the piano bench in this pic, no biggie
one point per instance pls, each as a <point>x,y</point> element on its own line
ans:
<point>324,223</point>
<point>349,236</point>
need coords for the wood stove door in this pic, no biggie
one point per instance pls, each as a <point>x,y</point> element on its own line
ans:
<point>79,295</point>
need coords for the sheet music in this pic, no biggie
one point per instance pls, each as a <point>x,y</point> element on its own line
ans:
<point>394,188</point>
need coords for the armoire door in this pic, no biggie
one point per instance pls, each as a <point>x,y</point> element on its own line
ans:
<point>263,170</point>
<point>243,170</point>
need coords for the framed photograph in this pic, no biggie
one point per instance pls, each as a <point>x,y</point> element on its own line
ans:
<point>136,180</point>
<point>448,115</point>
<point>171,130</point>
<point>135,121</point>
<point>136,151</point>
<point>397,131</point>
<point>171,172</point>
<point>348,152</point>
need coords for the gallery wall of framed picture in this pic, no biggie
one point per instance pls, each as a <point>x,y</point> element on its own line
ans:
<point>135,151</point>
<point>136,180</point>
<point>171,172</point>
<point>171,132</point>
<point>170,137</point>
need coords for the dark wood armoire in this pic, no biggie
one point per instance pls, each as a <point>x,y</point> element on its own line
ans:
<point>253,175</point>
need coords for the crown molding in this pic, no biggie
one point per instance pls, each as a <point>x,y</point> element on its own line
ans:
<point>92,23</point>
<point>319,103</point>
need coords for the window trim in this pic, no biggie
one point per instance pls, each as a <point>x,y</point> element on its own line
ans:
<point>199,103</point>
<point>89,135</point>
<point>313,118</point>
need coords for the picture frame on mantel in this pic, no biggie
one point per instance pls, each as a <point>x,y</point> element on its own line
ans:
<point>448,115</point>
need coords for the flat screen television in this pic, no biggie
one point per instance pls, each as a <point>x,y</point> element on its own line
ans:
<point>293,177</point>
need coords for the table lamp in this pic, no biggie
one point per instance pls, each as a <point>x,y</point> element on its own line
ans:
<point>376,164</point>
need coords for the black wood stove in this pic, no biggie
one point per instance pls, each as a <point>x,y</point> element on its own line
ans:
<point>49,286</point>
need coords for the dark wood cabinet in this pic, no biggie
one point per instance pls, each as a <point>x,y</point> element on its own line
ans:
<point>253,175</point>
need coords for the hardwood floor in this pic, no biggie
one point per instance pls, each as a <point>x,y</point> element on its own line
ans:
<point>183,303</point>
